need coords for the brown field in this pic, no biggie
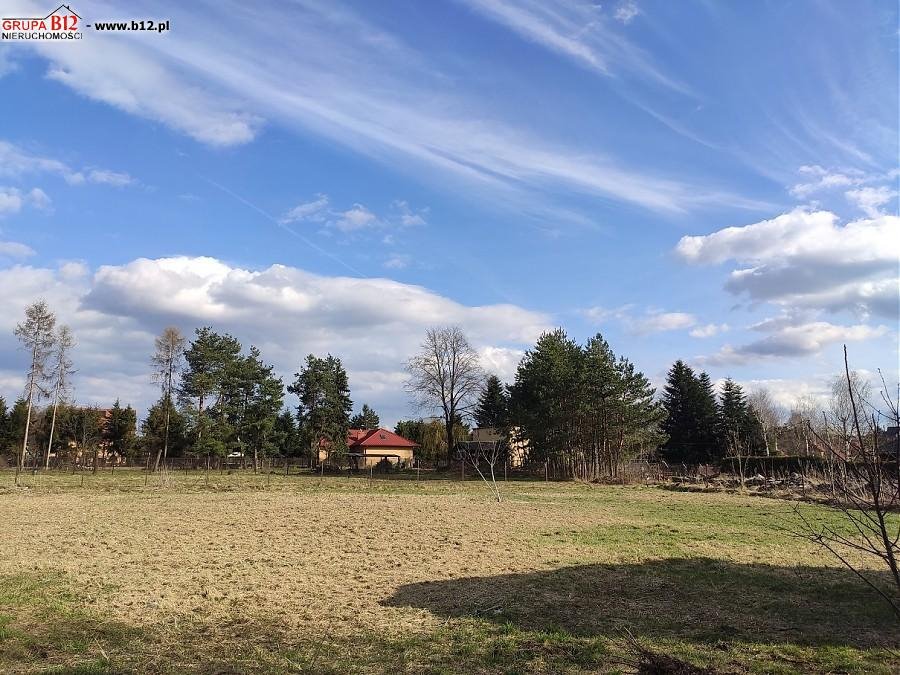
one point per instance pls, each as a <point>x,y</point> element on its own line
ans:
<point>298,574</point>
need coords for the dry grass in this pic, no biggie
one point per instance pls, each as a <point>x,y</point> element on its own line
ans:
<point>295,574</point>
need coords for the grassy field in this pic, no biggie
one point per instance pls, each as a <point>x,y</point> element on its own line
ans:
<point>297,574</point>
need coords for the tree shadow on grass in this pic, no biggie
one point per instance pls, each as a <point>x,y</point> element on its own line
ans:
<point>701,600</point>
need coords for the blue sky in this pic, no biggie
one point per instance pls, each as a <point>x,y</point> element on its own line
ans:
<point>324,176</point>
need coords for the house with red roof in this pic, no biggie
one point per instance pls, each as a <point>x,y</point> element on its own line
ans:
<point>368,447</point>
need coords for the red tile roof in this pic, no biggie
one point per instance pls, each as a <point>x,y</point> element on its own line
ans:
<point>377,438</point>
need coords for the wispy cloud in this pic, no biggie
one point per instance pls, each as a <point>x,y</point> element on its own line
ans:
<point>16,162</point>
<point>315,210</point>
<point>354,84</point>
<point>709,330</point>
<point>14,249</point>
<point>354,218</point>
<point>626,11</point>
<point>642,323</point>
<point>12,200</point>
<point>581,31</point>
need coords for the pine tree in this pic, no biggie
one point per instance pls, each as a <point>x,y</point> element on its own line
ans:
<point>544,399</point>
<point>15,425</point>
<point>679,399</point>
<point>637,415</point>
<point>492,408</point>
<point>708,444</point>
<point>212,362</point>
<point>285,436</point>
<point>739,430</point>
<point>265,399</point>
<point>323,413</point>
<point>411,430</point>
<point>120,429</point>
<point>153,428</point>
<point>366,419</point>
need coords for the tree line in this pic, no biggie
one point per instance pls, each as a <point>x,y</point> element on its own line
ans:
<point>216,399</point>
<point>579,410</point>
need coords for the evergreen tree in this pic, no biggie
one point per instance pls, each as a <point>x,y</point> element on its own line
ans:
<point>16,422</point>
<point>153,428</point>
<point>739,429</point>
<point>581,409</point>
<point>208,386</point>
<point>365,419</point>
<point>285,435</point>
<point>120,429</point>
<point>492,408</point>
<point>544,399</point>
<point>691,422</point>
<point>637,415</point>
<point>708,441</point>
<point>323,414</point>
<point>265,398</point>
<point>411,430</point>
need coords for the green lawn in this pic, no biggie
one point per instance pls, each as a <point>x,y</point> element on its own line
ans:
<point>256,573</point>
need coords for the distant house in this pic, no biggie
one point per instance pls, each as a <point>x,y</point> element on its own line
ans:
<point>368,447</point>
<point>518,447</point>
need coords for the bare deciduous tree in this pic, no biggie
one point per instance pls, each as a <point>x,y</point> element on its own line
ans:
<point>865,483</point>
<point>802,419</point>
<point>445,376</point>
<point>484,453</point>
<point>770,416</point>
<point>62,369</point>
<point>844,389</point>
<point>166,361</point>
<point>36,335</point>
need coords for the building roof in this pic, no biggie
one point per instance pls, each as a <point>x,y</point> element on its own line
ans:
<point>377,438</point>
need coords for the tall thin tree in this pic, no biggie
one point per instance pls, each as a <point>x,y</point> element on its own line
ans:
<point>166,361</point>
<point>37,336</point>
<point>62,369</point>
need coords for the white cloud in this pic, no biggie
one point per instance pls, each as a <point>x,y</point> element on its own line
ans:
<point>12,200</point>
<point>39,199</point>
<point>786,392</point>
<point>871,199</point>
<point>355,218</point>
<point>374,325</point>
<point>806,259</point>
<point>397,261</point>
<point>650,321</point>
<point>14,249</point>
<point>16,162</point>
<point>407,216</point>
<point>709,330</point>
<point>626,11</point>
<point>314,210</point>
<point>824,179</point>
<point>501,361</point>
<point>106,177</point>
